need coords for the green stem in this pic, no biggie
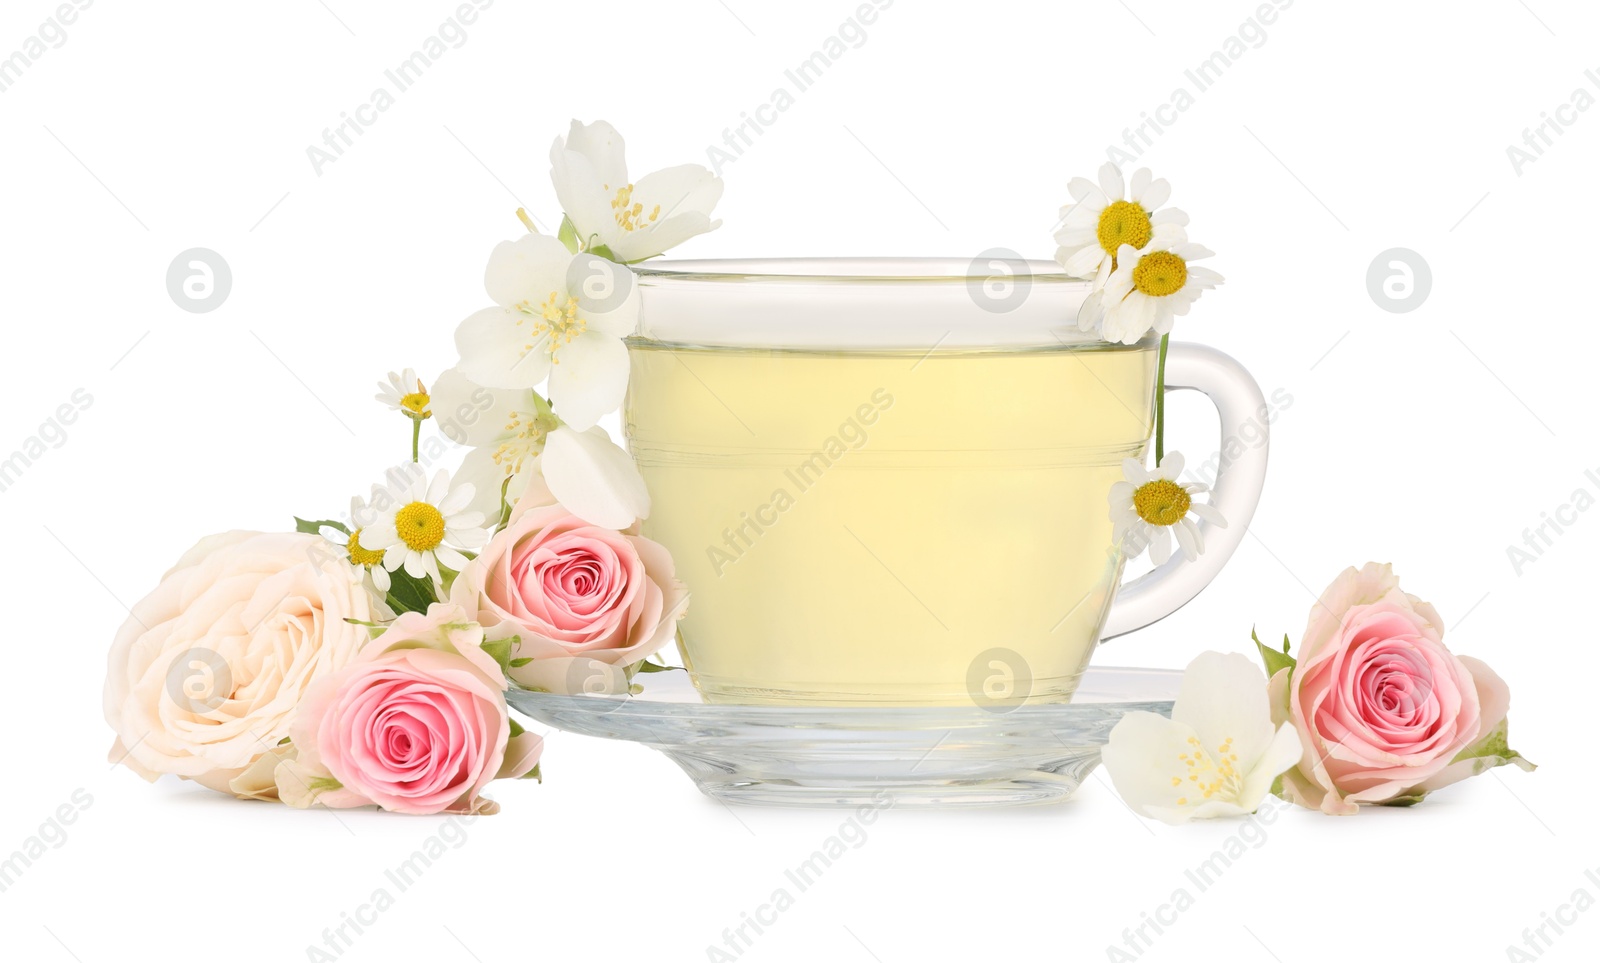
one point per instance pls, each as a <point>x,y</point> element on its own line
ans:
<point>416,433</point>
<point>1161,402</point>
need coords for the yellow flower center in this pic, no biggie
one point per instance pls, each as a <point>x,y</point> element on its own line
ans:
<point>1123,222</point>
<point>359,555</point>
<point>554,320</point>
<point>1160,273</point>
<point>1161,502</point>
<point>1209,774</point>
<point>630,214</point>
<point>526,434</point>
<point>420,526</point>
<point>416,404</point>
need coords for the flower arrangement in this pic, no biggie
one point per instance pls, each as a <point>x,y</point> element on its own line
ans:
<point>1374,710</point>
<point>1138,255</point>
<point>364,661</point>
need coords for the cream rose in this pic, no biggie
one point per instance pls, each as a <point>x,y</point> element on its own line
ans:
<point>206,673</point>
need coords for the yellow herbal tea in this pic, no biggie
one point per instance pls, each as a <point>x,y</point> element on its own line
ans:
<point>888,526</point>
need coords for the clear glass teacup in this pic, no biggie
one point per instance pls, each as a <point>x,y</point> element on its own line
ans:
<point>885,481</point>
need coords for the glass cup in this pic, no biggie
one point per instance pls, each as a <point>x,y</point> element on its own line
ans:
<point>886,482</point>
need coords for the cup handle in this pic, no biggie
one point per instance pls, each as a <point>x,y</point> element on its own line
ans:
<point>1168,587</point>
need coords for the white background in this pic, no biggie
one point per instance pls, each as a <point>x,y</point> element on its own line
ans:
<point>1431,439</point>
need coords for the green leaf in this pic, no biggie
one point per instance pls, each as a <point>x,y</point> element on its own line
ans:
<point>601,250</point>
<point>407,594</point>
<point>652,667</point>
<point>1272,659</point>
<point>1495,750</point>
<point>1401,802</point>
<point>534,774</point>
<point>307,527</point>
<point>500,651</point>
<point>568,234</point>
<point>518,663</point>
<point>516,727</point>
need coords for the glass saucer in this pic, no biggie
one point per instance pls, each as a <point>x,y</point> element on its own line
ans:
<point>844,756</point>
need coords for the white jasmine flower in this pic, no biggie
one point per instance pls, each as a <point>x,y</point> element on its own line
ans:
<point>1217,756</point>
<point>1152,285</point>
<point>517,443</point>
<point>559,315</point>
<point>632,221</point>
<point>1146,505</point>
<point>429,528</point>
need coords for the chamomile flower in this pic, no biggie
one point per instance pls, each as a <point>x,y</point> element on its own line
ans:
<point>405,393</point>
<point>1147,505</point>
<point>1101,219</point>
<point>429,527</point>
<point>366,562</point>
<point>1153,285</point>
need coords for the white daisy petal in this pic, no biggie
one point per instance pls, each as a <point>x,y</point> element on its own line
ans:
<point>1157,193</point>
<point>1140,184</point>
<point>1111,181</point>
<point>1188,538</point>
<point>450,558</point>
<point>1160,545</point>
<point>1170,217</point>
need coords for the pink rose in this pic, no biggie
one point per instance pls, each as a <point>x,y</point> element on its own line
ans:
<point>572,589</point>
<point>206,673</point>
<point>417,724</point>
<point>1385,712</point>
